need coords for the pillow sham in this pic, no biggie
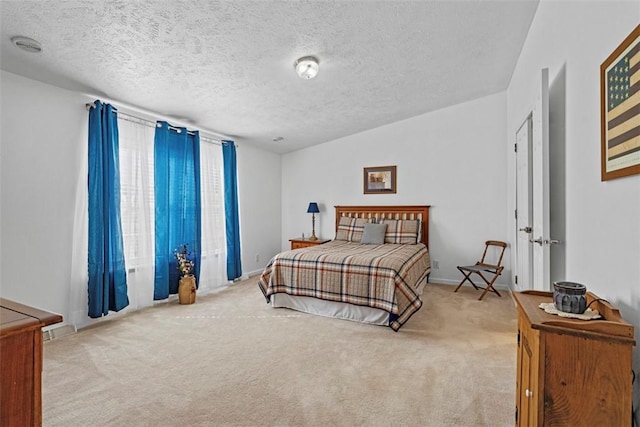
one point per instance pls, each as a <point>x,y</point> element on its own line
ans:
<point>350,229</point>
<point>373,234</point>
<point>402,231</point>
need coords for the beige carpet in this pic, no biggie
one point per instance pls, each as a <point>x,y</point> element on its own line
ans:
<point>231,360</point>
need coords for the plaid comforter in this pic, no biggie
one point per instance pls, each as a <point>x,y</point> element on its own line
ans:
<point>380,276</point>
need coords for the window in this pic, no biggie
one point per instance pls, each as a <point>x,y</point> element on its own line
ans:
<point>136,139</point>
<point>136,191</point>
<point>213,271</point>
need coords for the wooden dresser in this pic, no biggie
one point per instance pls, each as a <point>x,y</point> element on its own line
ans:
<point>21,363</point>
<point>572,372</point>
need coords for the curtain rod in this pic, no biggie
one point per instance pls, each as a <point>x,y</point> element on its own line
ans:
<point>150,123</point>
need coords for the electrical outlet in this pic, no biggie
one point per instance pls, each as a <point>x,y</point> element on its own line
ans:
<point>257,257</point>
<point>436,264</point>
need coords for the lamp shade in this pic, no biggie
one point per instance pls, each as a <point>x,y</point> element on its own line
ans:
<point>313,208</point>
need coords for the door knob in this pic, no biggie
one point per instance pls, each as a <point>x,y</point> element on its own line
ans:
<point>527,229</point>
<point>538,241</point>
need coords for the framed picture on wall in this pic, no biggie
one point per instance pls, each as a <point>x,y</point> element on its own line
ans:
<point>620,110</point>
<point>380,180</point>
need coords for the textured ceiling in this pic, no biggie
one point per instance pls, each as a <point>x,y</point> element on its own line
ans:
<point>227,66</point>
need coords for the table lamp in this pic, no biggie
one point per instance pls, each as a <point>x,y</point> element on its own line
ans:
<point>313,210</point>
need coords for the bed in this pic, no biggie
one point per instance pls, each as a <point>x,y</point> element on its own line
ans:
<point>373,271</point>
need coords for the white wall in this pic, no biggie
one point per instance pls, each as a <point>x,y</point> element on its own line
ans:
<point>43,132</point>
<point>41,129</point>
<point>602,243</point>
<point>452,159</point>
<point>259,193</point>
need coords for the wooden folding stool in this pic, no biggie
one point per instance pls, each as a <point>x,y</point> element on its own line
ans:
<point>492,271</point>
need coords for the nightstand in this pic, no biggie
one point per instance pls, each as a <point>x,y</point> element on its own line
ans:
<point>303,243</point>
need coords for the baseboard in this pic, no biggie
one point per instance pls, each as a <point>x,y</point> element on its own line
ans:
<point>432,279</point>
<point>251,274</point>
<point>58,332</point>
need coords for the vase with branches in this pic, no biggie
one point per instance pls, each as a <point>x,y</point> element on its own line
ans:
<point>183,256</point>
<point>187,285</point>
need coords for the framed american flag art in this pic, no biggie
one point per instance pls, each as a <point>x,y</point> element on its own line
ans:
<point>620,109</point>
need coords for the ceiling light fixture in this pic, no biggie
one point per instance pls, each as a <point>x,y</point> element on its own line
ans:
<point>27,44</point>
<point>307,67</point>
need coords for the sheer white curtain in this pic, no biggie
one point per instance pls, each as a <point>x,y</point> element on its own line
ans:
<point>78,282</point>
<point>137,208</point>
<point>213,268</point>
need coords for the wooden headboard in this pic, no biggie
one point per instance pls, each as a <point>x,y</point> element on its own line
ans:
<point>388,212</point>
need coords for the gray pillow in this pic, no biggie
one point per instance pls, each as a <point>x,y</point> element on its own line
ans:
<point>373,234</point>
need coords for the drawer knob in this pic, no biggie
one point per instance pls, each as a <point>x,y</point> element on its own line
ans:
<point>528,393</point>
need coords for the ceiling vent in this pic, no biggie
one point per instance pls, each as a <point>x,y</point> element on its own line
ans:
<point>27,44</point>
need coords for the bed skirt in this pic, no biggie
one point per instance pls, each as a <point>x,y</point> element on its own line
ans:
<point>335,309</point>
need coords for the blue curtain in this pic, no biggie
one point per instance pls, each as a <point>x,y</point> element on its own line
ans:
<point>232,222</point>
<point>107,274</point>
<point>177,199</point>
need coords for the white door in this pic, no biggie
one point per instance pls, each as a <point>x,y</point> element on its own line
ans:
<point>524,253</point>
<point>540,187</point>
